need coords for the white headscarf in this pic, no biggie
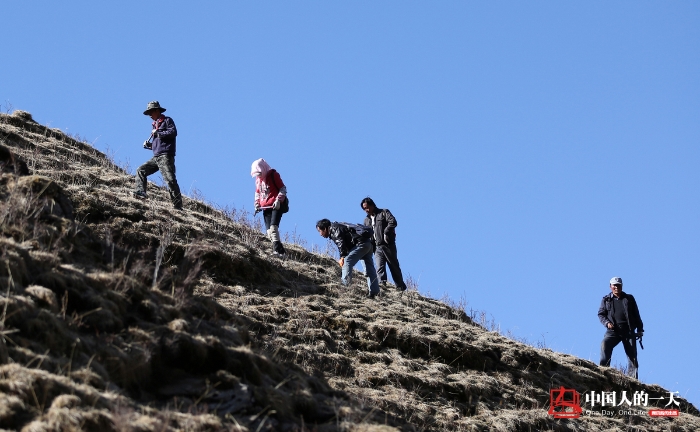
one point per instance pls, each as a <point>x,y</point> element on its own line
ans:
<point>259,168</point>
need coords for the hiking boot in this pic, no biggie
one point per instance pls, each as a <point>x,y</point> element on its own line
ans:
<point>140,195</point>
<point>372,295</point>
<point>403,288</point>
<point>278,248</point>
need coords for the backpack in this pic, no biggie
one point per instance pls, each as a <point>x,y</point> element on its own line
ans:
<point>364,232</point>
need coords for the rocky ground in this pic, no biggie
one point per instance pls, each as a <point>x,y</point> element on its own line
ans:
<point>126,315</point>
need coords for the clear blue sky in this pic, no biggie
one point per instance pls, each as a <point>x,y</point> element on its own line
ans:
<point>529,150</point>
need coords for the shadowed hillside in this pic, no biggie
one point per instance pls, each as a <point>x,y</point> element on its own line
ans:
<point>126,315</point>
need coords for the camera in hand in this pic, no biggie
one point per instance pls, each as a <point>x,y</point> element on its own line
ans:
<point>147,145</point>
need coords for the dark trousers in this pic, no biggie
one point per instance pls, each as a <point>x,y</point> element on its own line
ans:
<point>611,339</point>
<point>272,223</point>
<point>166,165</point>
<point>272,217</point>
<point>386,255</point>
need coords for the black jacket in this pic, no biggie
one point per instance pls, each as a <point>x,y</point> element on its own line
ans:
<point>345,238</point>
<point>163,141</point>
<point>606,311</point>
<point>384,225</point>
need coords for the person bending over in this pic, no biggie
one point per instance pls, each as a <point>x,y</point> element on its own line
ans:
<point>354,244</point>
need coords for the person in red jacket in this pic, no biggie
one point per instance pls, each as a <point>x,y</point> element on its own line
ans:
<point>271,199</point>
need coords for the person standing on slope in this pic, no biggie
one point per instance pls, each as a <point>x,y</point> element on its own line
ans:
<point>162,142</point>
<point>271,199</point>
<point>619,314</point>
<point>354,244</point>
<point>384,225</point>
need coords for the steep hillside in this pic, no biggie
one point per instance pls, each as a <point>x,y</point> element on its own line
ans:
<point>121,314</point>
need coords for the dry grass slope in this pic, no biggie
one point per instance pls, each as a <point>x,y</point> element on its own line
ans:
<point>119,314</point>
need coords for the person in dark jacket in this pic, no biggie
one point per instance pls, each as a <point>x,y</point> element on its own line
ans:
<point>619,313</point>
<point>352,247</point>
<point>384,225</point>
<point>162,142</point>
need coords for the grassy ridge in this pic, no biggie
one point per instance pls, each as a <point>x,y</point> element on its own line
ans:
<point>121,314</point>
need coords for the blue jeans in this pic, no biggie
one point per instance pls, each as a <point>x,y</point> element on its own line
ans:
<point>361,252</point>
<point>629,343</point>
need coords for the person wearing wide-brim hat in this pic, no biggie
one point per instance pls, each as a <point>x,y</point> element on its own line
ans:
<point>162,142</point>
<point>152,106</point>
